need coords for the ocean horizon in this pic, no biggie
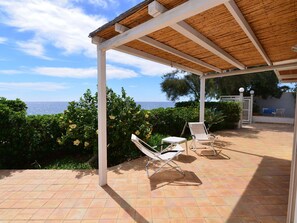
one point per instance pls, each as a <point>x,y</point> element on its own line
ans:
<point>48,108</point>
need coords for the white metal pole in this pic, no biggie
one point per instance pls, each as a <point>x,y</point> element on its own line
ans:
<point>102,126</point>
<point>202,99</point>
<point>241,90</point>
<point>252,105</point>
<point>292,207</point>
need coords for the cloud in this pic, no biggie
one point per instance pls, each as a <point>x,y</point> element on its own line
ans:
<point>101,3</point>
<point>32,86</point>
<point>10,72</point>
<point>60,24</point>
<point>33,48</point>
<point>114,72</point>
<point>2,40</point>
<point>55,22</point>
<point>145,67</point>
<point>66,72</point>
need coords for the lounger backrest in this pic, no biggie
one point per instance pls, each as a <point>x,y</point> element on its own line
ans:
<point>142,146</point>
<point>198,130</point>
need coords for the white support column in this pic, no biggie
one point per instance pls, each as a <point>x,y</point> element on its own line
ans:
<point>241,90</point>
<point>292,207</point>
<point>102,125</point>
<point>252,92</point>
<point>202,99</point>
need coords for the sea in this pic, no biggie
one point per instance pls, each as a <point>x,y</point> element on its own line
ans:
<point>43,108</point>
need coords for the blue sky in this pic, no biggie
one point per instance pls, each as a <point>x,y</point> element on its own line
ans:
<point>46,55</point>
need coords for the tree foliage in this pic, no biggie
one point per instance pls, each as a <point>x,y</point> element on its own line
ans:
<point>264,84</point>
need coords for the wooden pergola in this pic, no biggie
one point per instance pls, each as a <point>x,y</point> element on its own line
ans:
<point>210,38</point>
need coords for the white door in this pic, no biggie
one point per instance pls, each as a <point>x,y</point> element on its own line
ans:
<point>246,110</point>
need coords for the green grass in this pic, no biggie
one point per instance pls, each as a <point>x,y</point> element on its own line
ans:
<point>69,163</point>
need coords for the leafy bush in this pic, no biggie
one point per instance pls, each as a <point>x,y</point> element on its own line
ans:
<point>13,136</point>
<point>15,105</point>
<point>170,121</point>
<point>231,112</point>
<point>43,131</point>
<point>123,118</point>
<point>79,122</point>
<point>218,115</point>
<point>186,104</point>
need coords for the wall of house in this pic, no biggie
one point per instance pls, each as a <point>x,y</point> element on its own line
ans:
<point>286,101</point>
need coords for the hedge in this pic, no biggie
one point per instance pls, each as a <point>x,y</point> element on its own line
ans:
<point>26,139</point>
<point>170,121</point>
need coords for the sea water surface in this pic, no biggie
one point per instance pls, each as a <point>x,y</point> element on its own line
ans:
<point>42,108</point>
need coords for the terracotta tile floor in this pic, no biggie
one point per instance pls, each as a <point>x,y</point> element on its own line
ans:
<point>247,182</point>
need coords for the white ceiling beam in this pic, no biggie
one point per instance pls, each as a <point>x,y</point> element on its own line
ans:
<point>253,70</point>
<point>289,81</point>
<point>141,54</point>
<point>238,16</point>
<point>285,62</point>
<point>285,76</point>
<point>277,75</point>
<point>150,41</point>
<point>156,10</point>
<point>179,13</point>
<point>128,50</point>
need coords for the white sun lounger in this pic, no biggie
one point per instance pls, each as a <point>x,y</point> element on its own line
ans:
<point>165,157</point>
<point>200,135</point>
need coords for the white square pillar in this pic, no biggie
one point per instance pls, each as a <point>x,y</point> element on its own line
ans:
<point>292,207</point>
<point>202,99</point>
<point>102,113</point>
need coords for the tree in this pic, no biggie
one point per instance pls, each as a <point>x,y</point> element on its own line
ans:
<point>178,83</point>
<point>264,84</point>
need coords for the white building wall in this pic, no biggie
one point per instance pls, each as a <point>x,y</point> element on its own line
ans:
<point>286,101</point>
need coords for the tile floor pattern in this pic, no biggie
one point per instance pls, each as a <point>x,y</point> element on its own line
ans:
<point>247,182</point>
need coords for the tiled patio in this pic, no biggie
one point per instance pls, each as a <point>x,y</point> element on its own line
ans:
<point>247,182</point>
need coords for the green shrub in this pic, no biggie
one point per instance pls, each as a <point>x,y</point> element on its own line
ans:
<point>231,112</point>
<point>218,115</point>
<point>155,139</point>
<point>186,104</point>
<point>124,117</point>
<point>15,105</point>
<point>13,136</point>
<point>79,122</point>
<point>43,131</point>
<point>170,121</point>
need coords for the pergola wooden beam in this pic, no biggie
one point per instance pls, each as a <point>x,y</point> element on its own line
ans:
<point>238,16</point>
<point>150,41</point>
<point>128,50</point>
<point>157,10</point>
<point>288,76</point>
<point>277,74</point>
<point>141,54</point>
<point>253,70</point>
<point>175,15</point>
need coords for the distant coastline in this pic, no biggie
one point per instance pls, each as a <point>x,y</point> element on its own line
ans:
<point>43,108</point>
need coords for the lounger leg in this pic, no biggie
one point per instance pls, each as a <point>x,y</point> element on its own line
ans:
<point>212,146</point>
<point>176,167</point>
<point>146,168</point>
